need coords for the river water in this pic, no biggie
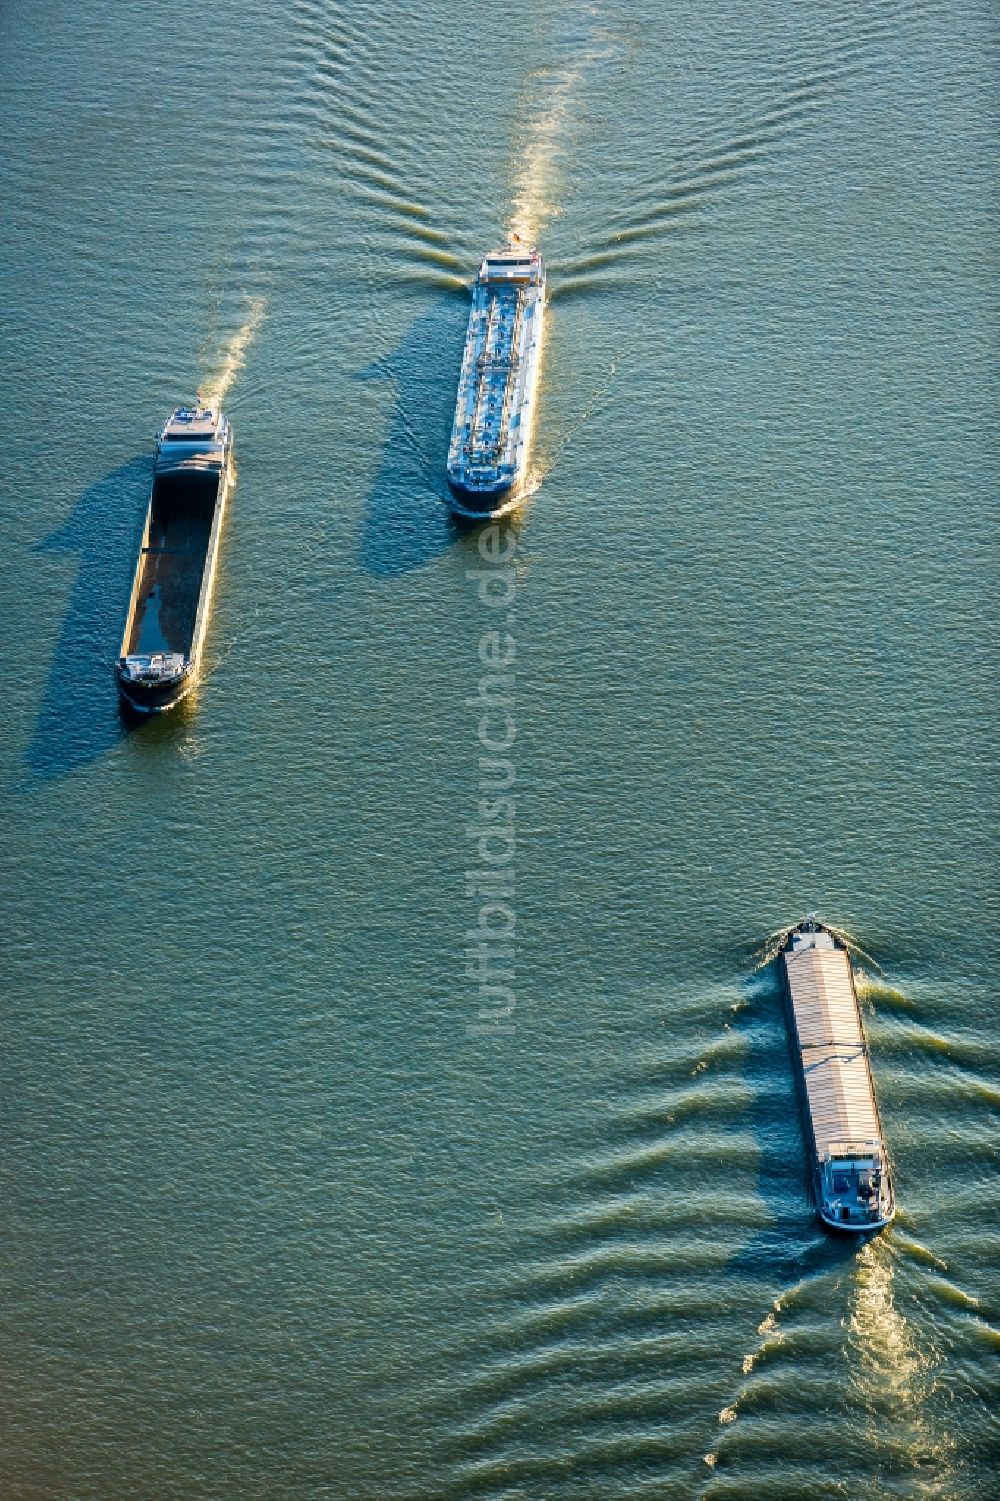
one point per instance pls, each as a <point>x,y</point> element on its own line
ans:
<point>284,1215</point>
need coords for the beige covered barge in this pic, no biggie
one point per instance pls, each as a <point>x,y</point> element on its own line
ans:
<point>849,1165</point>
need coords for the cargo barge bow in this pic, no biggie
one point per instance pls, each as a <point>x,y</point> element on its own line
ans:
<point>168,610</point>
<point>495,407</point>
<point>849,1165</point>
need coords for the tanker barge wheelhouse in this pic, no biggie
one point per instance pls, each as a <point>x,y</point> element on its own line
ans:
<point>848,1162</point>
<point>495,407</point>
<point>168,611</point>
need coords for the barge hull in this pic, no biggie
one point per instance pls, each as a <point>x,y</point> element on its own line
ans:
<point>497,390</point>
<point>171,592</point>
<point>848,1163</point>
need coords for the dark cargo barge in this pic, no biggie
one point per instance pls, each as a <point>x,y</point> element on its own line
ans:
<point>168,610</point>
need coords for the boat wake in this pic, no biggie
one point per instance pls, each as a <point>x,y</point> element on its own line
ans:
<point>769,1338</point>
<point>772,945</point>
<point>675,185</point>
<point>893,1376</point>
<point>216,386</point>
<point>361,141</point>
<point>540,153</point>
<point>810,70</point>
<point>534,191</point>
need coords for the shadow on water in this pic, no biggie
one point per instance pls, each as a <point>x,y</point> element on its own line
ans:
<point>793,1246</point>
<point>78,719</point>
<point>407,522</point>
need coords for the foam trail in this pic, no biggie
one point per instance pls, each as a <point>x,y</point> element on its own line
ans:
<point>535,199</point>
<point>216,386</point>
<point>769,1336</point>
<point>893,1376</point>
<point>535,184</point>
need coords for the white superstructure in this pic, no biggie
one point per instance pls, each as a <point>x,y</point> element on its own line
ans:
<point>194,440</point>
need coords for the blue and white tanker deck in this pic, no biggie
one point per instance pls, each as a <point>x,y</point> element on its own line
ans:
<point>495,409</point>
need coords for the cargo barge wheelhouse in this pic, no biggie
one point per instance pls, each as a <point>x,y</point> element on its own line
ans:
<point>495,407</point>
<point>168,610</point>
<point>849,1165</point>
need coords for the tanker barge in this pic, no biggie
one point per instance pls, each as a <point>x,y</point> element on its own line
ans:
<point>168,611</point>
<point>848,1162</point>
<point>495,407</point>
